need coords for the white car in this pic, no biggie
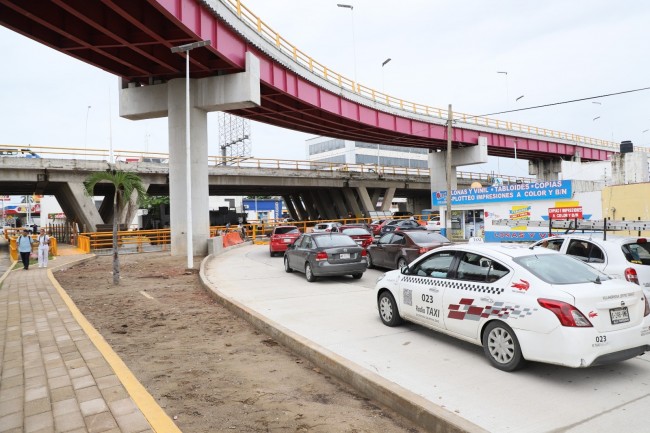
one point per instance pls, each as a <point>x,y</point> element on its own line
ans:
<point>325,227</point>
<point>621,257</point>
<point>520,304</point>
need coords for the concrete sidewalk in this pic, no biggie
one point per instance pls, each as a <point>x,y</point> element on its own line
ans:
<point>57,375</point>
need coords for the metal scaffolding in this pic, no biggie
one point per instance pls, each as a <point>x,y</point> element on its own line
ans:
<point>234,137</point>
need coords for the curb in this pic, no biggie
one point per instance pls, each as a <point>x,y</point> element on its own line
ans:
<point>154,414</point>
<point>419,410</point>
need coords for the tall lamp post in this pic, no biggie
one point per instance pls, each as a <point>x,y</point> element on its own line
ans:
<point>354,45</point>
<point>188,177</point>
<point>384,63</point>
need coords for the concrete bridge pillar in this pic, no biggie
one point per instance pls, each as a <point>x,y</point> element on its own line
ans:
<point>339,203</point>
<point>81,208</point>
<point>351,200</point>
<point>389,193</point>
<point>545,169</point>
<point>308,204</point>
<point>462,156</point>
<point>376,195</point>
<point>219,93</point>
<point>290,207</point>
<point>367,204</point>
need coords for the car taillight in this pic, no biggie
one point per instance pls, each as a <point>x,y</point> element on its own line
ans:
<point>321,256</point>
<point>647,307</point>
<point>631,276</point>
<point>423,250</point>
<point>567,314</point>
<point>365,253</point>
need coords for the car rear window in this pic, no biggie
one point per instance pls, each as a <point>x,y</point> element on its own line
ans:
<point>286,230</point>
<point>560,269</point>
<point>637,253</point>
<point>424,237</point>
<point>355,232</point>
<point>334,241</point>
<point>322,226</point>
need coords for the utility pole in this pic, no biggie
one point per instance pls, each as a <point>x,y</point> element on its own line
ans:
<point>448,213</point>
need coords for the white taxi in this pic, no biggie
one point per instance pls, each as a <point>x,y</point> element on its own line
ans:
<point>520,304</point>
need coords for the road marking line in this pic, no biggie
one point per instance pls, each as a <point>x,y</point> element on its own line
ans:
<point>157,418</point>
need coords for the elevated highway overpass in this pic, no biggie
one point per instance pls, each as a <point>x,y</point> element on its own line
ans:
<point>310,189</point>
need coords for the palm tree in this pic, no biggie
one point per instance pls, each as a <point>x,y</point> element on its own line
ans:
<point>125,183</point>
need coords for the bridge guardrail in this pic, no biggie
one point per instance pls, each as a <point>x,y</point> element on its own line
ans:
<point>317,68</point>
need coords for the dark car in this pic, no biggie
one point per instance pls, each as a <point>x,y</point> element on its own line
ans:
<point>397,225</point>
<point>398,249</point>
<point>281,237</point>
<point>325,254</point>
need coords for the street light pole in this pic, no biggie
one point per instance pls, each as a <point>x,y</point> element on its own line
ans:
<point>354,45</point>
<point>188,166</point>
<point>382,74</point>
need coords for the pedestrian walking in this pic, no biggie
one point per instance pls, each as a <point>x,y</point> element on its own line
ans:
<point>43,248</point>
<point>24,243</point>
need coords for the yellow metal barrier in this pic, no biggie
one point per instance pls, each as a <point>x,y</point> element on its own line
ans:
<point>137,239</point>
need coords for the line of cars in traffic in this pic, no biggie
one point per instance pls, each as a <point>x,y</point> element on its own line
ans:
<point>572,300</point>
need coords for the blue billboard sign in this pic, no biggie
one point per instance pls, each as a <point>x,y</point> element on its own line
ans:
<point>543,190</point>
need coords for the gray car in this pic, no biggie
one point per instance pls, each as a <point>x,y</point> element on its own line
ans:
<point>325,254</point>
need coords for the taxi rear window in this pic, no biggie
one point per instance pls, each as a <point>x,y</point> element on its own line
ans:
<point>637,253</point>
<point>560,269</point>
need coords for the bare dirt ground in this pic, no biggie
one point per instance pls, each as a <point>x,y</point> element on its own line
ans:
<point>207,367</point>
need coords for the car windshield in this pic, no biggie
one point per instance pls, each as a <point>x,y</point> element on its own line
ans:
<point>637,253</point>
<point>334,241</point>
<point>286,230</point>
<point>560,269</point>
<point>355,232</point>
<point>423,237</point>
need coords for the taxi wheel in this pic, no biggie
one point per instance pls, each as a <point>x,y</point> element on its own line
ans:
<point>357,276</point>
<point>309,274</point>
<point>401,263</point>
<point>370,263</point>
<point>287,268</point>
<point>501,347</point>
<point>388,310</point>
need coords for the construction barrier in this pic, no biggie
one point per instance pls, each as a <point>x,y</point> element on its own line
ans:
<point>230,239</point>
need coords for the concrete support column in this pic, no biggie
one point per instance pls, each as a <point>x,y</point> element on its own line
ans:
<point>320,208</point>
<point>106,208</point>
<point>366,204</point>
<point>309,206</point>
<point>290,207</point>
<point>465,156</point>
<point>339,203</point>
<point>389,193</point>
<point>376,194</point>
<point>131,208</point>
<point>178,198</point>
<point>325,202</point>
<point>78,206</point>
<point>545,169</point>
<point>351,200</point>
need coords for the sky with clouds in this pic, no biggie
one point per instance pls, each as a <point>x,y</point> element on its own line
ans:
<point>441,52</point>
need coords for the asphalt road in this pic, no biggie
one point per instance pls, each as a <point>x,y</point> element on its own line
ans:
<point>340,315</point>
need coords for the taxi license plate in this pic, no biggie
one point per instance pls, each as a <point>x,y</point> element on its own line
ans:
<point>619,315</point>
<point>287,240</point>
<point>344,256</point>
